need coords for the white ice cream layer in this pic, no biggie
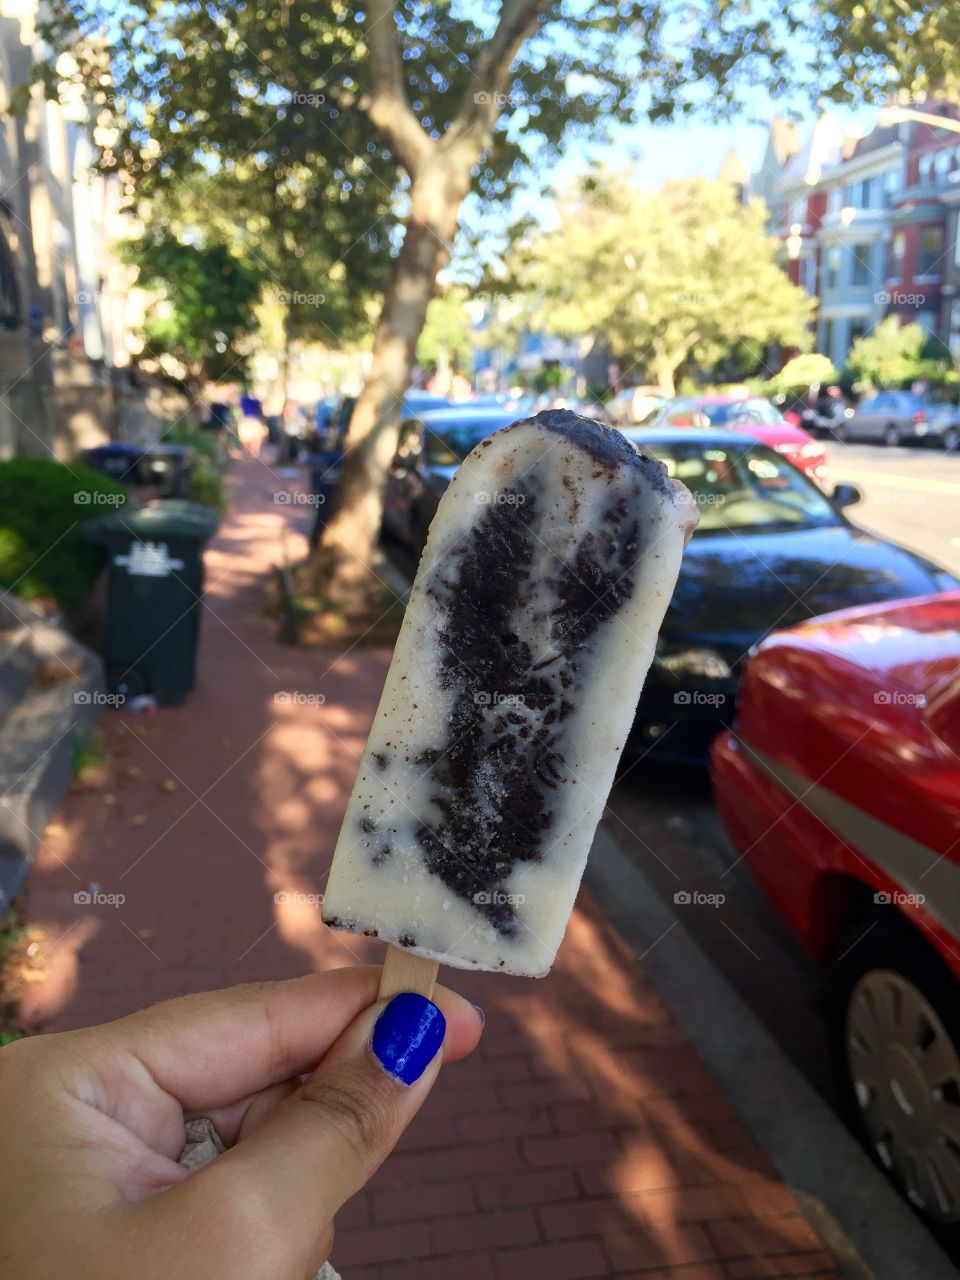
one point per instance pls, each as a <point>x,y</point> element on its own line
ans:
<point>465,838</point>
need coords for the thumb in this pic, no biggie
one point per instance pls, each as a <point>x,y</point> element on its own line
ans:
<point>328,1138</point>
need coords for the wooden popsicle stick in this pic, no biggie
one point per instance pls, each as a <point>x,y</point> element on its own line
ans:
<point>404,971</point>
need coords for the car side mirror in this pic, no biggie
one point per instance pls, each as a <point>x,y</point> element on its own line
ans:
<point>846,495</point>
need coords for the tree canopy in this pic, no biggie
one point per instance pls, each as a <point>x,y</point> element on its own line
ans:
<point>203,302</point>
<point>894,354</point>
<point>678,277</point>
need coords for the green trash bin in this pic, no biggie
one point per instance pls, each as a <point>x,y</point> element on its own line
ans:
<point>155,560</point>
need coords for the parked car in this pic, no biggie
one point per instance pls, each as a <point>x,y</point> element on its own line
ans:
<point>772,549</point>
<point>430,448</point>
<point>756,417</point>
<point>901,417</point>
<point>840,787</point>
<point>634,405</point>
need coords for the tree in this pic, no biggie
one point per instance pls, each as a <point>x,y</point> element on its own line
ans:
<point>893,355</point>
<point>682,276</point>
<point>454,99</point>
<point>807,370</point>
<point>203,304</point>
<point>447,339</point>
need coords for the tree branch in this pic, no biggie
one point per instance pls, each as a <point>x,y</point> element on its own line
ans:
<point>483,99</point>
<point>386,104</point>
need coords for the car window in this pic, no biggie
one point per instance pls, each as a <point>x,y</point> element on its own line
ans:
<point>449,446</point>
<point>720,413</point>
<point>408,441</point>
<point>438,451</point>
<point>744,489</point>
<point>868,405</point>
<point>883,401</point>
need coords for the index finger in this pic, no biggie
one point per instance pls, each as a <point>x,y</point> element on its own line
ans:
<point>210,1049</point>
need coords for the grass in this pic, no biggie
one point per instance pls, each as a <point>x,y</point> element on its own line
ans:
<point>88,752</point>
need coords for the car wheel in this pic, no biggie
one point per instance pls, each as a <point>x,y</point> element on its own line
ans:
<point>951,439</point>
<point>894,1028</point>
<point>891,435</point>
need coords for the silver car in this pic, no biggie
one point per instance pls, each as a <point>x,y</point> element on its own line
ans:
<point>902,417</point>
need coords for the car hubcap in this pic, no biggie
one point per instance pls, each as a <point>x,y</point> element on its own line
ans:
<point>906,1076</point>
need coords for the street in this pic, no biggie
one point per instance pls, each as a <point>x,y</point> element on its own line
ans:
<point>910,494</point>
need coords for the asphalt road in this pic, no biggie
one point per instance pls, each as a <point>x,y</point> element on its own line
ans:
<point>910,495</point>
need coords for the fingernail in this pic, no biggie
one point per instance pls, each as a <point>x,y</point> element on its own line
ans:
<point>480,1014</point>
<point>407,1036</point>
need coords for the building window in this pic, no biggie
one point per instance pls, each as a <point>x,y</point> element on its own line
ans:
<point>861,265</point>
<point>941,164</point>
<point>826,341</point>
<point>895,252</point>
<point>930,251</point>
<point>925,168</point>
<point>857,329</point>
<point>831,275</point>
<point>835,200</point>
<point>955,329</point>
<point>891,183</point>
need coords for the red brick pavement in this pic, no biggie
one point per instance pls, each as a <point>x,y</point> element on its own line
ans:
<point>584,1139</point>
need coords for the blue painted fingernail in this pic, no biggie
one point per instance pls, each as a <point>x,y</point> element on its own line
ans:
<point>408,1035</point>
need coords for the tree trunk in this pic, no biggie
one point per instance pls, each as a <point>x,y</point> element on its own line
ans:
<point>342,569</point>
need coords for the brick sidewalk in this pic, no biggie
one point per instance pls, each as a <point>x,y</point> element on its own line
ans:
<point>584,1138</point>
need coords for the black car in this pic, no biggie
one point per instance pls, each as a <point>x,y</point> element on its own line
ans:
<point>430,449</point>
<point>771,550</point>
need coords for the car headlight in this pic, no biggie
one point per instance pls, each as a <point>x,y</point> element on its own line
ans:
<point>696,662</point>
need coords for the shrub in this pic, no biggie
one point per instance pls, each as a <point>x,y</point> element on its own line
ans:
<point>43,506</point>
<point>208,463</point>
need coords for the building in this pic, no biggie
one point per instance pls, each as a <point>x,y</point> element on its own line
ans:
<point>869,224</point>
<point>858,191</point>
<point>65,299</point>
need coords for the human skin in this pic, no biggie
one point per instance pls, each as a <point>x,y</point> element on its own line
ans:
<point>92,1126</point>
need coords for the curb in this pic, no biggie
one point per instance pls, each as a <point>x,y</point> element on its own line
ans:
<point>844,1197</point>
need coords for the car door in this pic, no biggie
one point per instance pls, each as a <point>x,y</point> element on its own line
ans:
<point>866,422</point>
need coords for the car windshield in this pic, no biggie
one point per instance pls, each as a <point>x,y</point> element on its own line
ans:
<point>748,489</point>
<point>451,447</point>
<point>721,413</point>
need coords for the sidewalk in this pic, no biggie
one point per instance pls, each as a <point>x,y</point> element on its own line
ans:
<point>584,1139</point>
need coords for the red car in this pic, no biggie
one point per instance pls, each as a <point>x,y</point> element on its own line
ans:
<point>840,787</point>
<point>756,417</point>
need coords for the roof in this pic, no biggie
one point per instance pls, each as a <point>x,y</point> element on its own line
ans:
<point>463,415</point>
<point>705,436</point>
<point>733,170</point>
<point>784,139</point>
<point>881,136</point>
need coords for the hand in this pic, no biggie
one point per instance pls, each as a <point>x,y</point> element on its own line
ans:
<point>91,1128</point>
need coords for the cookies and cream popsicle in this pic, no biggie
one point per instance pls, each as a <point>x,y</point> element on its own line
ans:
<point>529,631</point>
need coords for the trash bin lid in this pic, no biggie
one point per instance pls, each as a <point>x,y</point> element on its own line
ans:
<point>116,449</point>
<point>163,518</point>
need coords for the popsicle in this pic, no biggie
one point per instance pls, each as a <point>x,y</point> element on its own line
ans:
<point>529,631</point>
